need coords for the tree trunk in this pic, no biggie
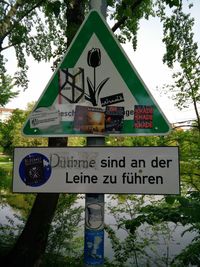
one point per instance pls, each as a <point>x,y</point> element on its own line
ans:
<point>31,244</point>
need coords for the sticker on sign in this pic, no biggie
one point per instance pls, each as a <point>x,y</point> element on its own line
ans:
<point>44,117</point>
<point>138,170</point>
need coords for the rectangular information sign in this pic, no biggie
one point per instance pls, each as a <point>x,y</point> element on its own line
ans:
<point>138,170</point>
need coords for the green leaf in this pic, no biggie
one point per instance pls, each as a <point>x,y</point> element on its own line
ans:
<point>170,199</point>
<point>172,3</point>
<point>53,7</point>
<point>183,201</point>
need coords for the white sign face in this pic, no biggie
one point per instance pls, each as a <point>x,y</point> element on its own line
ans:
<point>138,170</point>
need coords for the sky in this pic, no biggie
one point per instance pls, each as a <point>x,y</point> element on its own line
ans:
<point>147,60</point>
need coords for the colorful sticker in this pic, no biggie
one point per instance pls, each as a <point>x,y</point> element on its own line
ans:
<point>35,169</point>
<point>114,118</point>
<point>143,117</point>
<point>94,247</point>
<point>89,120</point>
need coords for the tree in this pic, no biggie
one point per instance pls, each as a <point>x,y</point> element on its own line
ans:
<point>182,209</point>
<point>41,28</point>
<point>11,132</point>
<point>162,216</point>
<point>181,49</point>
<point>178,210</point>
<point>23,27</point>
<point>18,116</point>
<point>62,236</point>
<point>35,232</point>
<point>6,90</point>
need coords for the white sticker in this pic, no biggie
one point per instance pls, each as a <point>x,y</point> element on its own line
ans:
<point>44,118</point>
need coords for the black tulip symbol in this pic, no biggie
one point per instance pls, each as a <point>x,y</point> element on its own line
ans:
<point>94,61</point>
<point>94,57</point>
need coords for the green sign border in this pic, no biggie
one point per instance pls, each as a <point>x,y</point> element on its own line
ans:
<point>95,24</point>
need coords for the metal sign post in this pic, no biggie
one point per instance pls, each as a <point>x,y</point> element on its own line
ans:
<point>94,221</point>
<point>94,203</point>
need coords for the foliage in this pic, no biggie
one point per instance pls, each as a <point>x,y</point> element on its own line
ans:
<point>141,247</point>
<point>50,259</point>
<point>20,206</point>
<point>5,177</point>
<point>176,209</point>
<point>183,210</point>
<point>129,249</point>
<point>11,132</point>
<point>64,245</point>
<point>5,159</point>
<point>62,236</point>
<point>6,90</point>
<point>8,233</point>
<point>76,141</point>
<point>62,240</point>
<point>32,28</point>
<point>182,53</point>
<point>128,14</point>
<point>159,218</point>
<point>133,141</point>
<point>40,29</point>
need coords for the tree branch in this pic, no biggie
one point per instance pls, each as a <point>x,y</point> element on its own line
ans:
<point>194,101</point>
<point>9,46</point>
<point>124,18</point>
<point>7,26</point>
<point>7,5</point>
<point>8,18</point>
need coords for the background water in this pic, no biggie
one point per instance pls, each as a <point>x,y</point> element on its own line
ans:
<point>166,246</point>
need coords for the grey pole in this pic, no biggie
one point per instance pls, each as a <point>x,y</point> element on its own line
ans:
<point>94,203</point>
<point>99,5</point>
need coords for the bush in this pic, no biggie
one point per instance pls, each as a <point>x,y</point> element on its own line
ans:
<point>5,178</point>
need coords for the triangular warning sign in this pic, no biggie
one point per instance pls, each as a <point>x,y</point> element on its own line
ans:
<point>96,91</point>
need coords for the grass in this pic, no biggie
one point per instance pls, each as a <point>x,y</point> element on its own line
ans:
<point>5,172</point>
<point>5,179</point>
<point>5,159</point>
